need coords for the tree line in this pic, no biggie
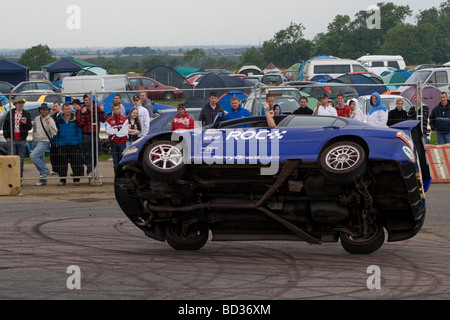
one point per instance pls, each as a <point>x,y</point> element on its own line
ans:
<point>425,41</point>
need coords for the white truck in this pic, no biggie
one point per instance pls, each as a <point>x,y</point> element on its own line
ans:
<point>78,85</point>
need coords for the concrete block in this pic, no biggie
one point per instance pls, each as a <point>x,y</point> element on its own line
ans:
<point>9,175</point>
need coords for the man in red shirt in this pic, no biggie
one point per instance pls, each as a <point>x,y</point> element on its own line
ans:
<point>343,110</point>
<point>182,120</point>
<point>89,122</point>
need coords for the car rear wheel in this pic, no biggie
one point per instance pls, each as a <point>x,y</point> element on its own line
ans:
<point>364,242</point>
<point>163,160</point>
<point>343,162</point>
<point>169,96</point>
<point>193,238</point>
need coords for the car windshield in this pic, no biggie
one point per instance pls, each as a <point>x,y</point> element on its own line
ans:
<point>418,76</point>
<point>322,121</point>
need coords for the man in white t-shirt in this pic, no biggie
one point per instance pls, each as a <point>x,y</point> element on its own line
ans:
<point>324,108</point>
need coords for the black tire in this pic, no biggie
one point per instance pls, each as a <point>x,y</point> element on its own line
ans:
<point>163,160</point>
<point>194,239</point>
<point>364,245</point>
<point>169,96</point>
<point>343,162</point>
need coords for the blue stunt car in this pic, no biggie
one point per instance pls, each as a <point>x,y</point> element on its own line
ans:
<point>311,178</point>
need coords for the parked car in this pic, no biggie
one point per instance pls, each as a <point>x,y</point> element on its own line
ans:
<point>387,100</point>
<point>333,67</point>
<point>438,77</point>
<point>106,99</point>
<point>255,104</point>
<point>317,89</point>
<point>37,75</point>
<point>273,79</point>
<point>5,87</point>
<point>312,178</point>
<point>157,90</point>
<point>290,74</point>
<point>35,86</point>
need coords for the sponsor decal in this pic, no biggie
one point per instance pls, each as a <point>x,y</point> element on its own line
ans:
<point>409,153</point>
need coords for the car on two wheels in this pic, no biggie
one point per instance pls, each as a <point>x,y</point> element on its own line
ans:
<point>311,178</point>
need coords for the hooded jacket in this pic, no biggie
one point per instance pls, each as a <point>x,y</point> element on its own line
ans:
<point>378,113</point>
<point>182,123</point>
<point>359,114</point>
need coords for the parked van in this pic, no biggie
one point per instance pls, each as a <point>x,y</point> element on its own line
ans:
<point>332,67</point>
<point>95,83</point>
<point>380,63</point>
<point>438,77</point>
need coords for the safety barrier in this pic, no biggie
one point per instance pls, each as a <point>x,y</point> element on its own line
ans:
<point>438,157</point>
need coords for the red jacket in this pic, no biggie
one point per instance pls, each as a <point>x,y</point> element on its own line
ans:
<point>185,122</point>
<point>117,129</point>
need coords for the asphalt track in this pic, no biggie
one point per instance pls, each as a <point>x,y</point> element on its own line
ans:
<point>46,233</point>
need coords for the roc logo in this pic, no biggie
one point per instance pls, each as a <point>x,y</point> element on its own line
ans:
<point>409,153</point>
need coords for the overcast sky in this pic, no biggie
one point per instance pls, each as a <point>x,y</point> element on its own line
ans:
<point>111,23</point>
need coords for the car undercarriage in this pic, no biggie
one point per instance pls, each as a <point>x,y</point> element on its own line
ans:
<point>299,203</point>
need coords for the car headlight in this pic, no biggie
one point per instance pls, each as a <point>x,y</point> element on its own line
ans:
<point>406,139</point>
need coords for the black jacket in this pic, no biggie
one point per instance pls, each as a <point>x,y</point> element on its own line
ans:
<point>412,115</point>
<point>24,128</point>
<point>205,114</point>
<point>303,111</point>
<point>395,116</point>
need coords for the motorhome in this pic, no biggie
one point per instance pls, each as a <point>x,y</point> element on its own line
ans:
<point>380,63</point>
<point>332,67</point>
<point>95,83</point>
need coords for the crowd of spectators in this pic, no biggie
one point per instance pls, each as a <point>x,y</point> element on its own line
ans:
<point>71,131</point>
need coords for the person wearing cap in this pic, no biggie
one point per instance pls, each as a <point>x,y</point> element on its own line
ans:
<point>182,121</point>
<point>324,108</point>
<point>15,128</point>
<point>89,122</point>
<point>76,105</point>
<point>144,117</point>
<point>44,129</point>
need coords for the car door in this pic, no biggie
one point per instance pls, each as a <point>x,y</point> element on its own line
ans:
<point>148,84</point>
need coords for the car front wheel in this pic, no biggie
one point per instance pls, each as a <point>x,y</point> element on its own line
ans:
<point>163,160</point>
<point>343,162</point>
